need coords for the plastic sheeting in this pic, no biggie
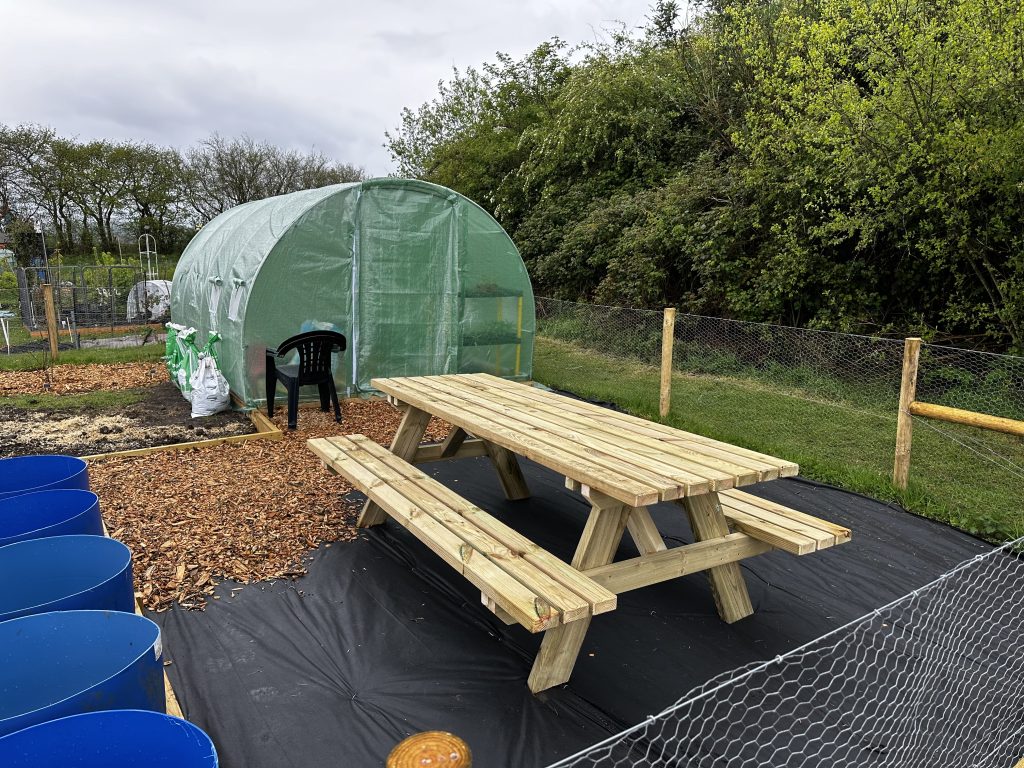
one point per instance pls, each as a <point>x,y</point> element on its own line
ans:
<point>419,279</point>
<point>382,639</point>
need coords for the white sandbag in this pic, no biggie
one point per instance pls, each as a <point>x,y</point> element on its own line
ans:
<point>210,390</point>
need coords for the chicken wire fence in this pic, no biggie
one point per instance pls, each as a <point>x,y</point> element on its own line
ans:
<point>795,377</point>
<point>935,678</point>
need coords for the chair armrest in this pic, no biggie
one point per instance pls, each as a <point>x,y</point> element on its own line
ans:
<point>271,351</point>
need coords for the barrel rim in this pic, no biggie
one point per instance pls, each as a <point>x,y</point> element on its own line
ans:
<point>117,716</point>
<point>82,467</point>
<point>34,533</point>
<point>11,626</point>
<point>117,544</point>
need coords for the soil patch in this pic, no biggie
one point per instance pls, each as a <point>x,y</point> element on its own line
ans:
<point>162,417</point>
<point>243,511</point>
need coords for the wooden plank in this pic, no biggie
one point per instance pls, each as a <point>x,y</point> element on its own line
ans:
<point>668,330</point>
<point>504,616</point>
<point>171,705</point>
<point>623,488</point>
<point>578,443</point>
<point>599,599</point>
<point>904,423</point>
<point>696,470</point>
<point>970,418</point>
<point>510,475</point>
<point>512,596</point>
<point>644,532</point>
<point>557,655</point>
<point>727,585</point>
<point>746,501</point>
<point>410,432</point>
<point>771,533</point>
<point>643,435</point>
<point>670,564</point>
<point>628,421</point>
<point>404,445</point>
<point>265,426</point>
<point>601,535</point>
<point>180,446</point>
<point>469,448</point>
<point>668,481</point>
<point>560,647</point>
<point>453,442</point>
<point>417,490</point>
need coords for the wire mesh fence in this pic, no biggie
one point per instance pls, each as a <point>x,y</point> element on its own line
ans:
<point>94,305</point>
<point>91,296</point>
<point>932,679</point>
<point>826,400</point>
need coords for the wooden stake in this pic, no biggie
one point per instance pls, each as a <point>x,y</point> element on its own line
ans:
<point>904,422</point>
<point>51,320</point>
<point>668,332</point>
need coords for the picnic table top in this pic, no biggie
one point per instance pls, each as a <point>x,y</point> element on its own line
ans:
<point>632,460</point>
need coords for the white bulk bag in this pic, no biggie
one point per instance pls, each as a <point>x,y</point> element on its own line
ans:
<point>210,390</point>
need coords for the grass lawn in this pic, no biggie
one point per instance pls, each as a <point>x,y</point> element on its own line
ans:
<point>834,442</point>
<point>31,361</point>
<point>103,399</point>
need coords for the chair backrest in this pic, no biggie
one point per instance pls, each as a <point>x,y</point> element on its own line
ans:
<point>314,348</point>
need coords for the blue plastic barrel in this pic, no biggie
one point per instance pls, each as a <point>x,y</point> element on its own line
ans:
<point>69,662</point>
<point>116,739</point>
<point>65,573</point>
<point>49,513</point>
<point>27,474</point>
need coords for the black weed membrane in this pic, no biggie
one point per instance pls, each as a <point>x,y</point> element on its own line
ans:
<point>382,640</point>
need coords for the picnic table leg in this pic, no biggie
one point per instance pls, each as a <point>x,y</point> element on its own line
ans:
<point>645,532</point>
<point>404,445</point>
<point>727,585</point>
<point>456,437</point>
<point>561,645</point>
<point>511,476</point>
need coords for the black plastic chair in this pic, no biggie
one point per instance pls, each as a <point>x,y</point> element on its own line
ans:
<point>314,367</point>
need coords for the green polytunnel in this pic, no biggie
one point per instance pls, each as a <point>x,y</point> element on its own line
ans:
<point>418,278</point>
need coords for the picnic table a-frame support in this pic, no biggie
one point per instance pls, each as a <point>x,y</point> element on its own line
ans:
<point>457,445</point>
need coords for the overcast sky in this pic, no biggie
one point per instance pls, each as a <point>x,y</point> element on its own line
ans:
<point>302,74</point>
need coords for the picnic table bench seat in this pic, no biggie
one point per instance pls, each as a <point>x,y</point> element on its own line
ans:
<point>519,581</point>
<point>781,527</point>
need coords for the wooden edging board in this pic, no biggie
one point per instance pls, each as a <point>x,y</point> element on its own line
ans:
<point>172,706</point>
<point>265,430</point>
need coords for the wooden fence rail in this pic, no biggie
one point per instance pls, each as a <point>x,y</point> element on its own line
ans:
<point>910,407</point>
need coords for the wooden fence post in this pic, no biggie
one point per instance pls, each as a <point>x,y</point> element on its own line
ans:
<point>51,320</point>
<point>904,421</point>
<point>668,332</point>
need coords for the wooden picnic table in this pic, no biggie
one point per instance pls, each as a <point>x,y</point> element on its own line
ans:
<point>618,462</point>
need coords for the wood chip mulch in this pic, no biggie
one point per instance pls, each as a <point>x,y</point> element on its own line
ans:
<point>78,379</point>
<point>244,511</point>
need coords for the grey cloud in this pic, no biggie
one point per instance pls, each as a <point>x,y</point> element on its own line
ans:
<point>300,74</point>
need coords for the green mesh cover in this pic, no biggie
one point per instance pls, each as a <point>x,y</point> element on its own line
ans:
<point>418,278</point>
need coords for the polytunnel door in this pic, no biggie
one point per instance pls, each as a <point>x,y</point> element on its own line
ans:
<point>407,278</point>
